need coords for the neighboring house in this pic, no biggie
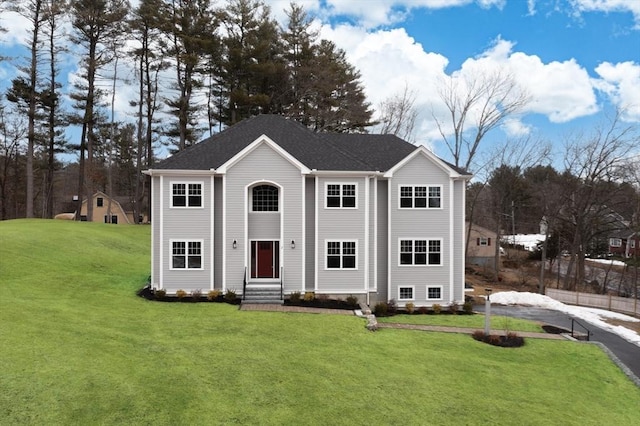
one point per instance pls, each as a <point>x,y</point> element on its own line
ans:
<point>269,204</point>
<point>103,211</point>
<point>482,246</point>
<point>624,243</point>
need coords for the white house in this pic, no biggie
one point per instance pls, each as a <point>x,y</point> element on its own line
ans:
<point>270,205</point>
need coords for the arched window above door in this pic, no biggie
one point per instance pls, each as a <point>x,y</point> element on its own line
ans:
<point>265,198</point>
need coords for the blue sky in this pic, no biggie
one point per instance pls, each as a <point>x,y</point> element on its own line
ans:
<point>578,59</point>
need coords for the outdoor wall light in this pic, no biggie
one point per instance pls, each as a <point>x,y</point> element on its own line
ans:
<point>235,244</point>
<point>293,244</point>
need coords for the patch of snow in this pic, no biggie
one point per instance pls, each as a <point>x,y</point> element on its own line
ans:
<point>590,315</point>
<point>608,262</point>
<point>528,241</point>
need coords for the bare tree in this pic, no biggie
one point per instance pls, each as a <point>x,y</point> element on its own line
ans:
<point>594,167</point>
<point>398,114</point>
<point>476,105</point>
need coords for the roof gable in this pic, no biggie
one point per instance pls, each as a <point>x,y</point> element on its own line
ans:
<point>450,170</point>
<point>262,140</point>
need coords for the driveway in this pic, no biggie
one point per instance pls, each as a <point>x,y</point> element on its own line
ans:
<point>627,353</point>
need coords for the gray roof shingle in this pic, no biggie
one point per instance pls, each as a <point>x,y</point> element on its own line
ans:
<point>321,151</point>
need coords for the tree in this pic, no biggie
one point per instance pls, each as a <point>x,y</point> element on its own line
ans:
<point>27,88</point>
<point>12,131</point>
<point>190,26</point>
<point>96,24</point>
<point>476,105</point>
<point>252,70</point>
<point>398,114</point>
<point>145,26</point>
<point>594,167</point>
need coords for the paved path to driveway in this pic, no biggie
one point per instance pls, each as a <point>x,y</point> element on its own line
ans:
<point>464,330</point>
<point>626,354</point>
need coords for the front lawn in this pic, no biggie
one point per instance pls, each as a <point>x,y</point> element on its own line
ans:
<point>498,323</point>
<point>78,347</point>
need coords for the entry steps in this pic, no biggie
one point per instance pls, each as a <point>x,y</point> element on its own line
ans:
<point>262,294</point>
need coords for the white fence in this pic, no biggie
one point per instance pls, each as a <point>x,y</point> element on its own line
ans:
<point>603,301</point>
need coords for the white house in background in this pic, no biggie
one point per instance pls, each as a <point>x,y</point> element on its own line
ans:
<point>268,204</point>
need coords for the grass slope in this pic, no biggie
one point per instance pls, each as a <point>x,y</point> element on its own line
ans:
<point>78,347</point>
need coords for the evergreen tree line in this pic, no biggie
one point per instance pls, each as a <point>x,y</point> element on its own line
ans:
<point>197,68</point>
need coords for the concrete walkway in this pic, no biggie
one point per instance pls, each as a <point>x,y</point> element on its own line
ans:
<point>282,308</point>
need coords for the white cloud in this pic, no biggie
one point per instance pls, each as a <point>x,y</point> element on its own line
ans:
<point>16,26</point>
<point>608,6</point>
<point>621,82</point>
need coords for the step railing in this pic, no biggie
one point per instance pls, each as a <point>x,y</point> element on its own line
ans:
<point>575,321</point>
<point>244,284</point>
<point>281,283</point>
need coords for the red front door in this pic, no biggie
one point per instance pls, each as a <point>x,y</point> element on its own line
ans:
<point>264,259</point>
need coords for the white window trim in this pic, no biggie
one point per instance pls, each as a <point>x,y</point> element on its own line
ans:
<point>413,293</point>
<point>484,241</point>
<point>441,252</point>
<point>187,183</point>
<point>326,195</point>
<point>250,201</point>
<point>326,255</point>
<point>435,286</point>
<point>413,245</point>
<point>413,265</point>
<point>413,197</point>
<point>615,242</point>
<point>186,241</point>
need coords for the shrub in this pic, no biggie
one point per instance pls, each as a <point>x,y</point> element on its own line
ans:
<point>160,294</point>
<point>309,296</point>
<point>196,294</point>
<point>410,307</point>
<point>392,307</point>
<point>453,308</point>
<point>213,295</point>
<point>295,297</point>
<point>467,308</point>
<point>181,294</point>
<point>230,295</point>
<point>478,335</point>
<point>380,310</point>
<point>352,300</point>
<point>437,308</point>
<point>423,310</point>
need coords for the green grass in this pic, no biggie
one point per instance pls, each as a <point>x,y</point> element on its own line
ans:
<point>498,323</point>
<point>78,347</point>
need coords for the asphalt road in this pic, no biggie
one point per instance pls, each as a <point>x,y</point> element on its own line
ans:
<point>627,353</point>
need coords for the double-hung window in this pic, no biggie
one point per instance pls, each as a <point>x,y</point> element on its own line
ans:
<point>186,254</point>
<point>615,242</point>
<point>186,195</point>
<point>405,293</point>
<point>341,255</point>
<point>420,197</point>
<point>341,195</point>
<point>420,252</point>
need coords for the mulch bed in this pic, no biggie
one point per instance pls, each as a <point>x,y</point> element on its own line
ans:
<point>322,303</point>
<point>147,293</point>
<point>511,340</point>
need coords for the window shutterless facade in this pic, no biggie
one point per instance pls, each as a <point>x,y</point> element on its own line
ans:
<point>420,252</point>
<point>186,254</point>
<point>341,255</point>
<point>420,197</point>
<point>341,195</point>
<point>186,194</point>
